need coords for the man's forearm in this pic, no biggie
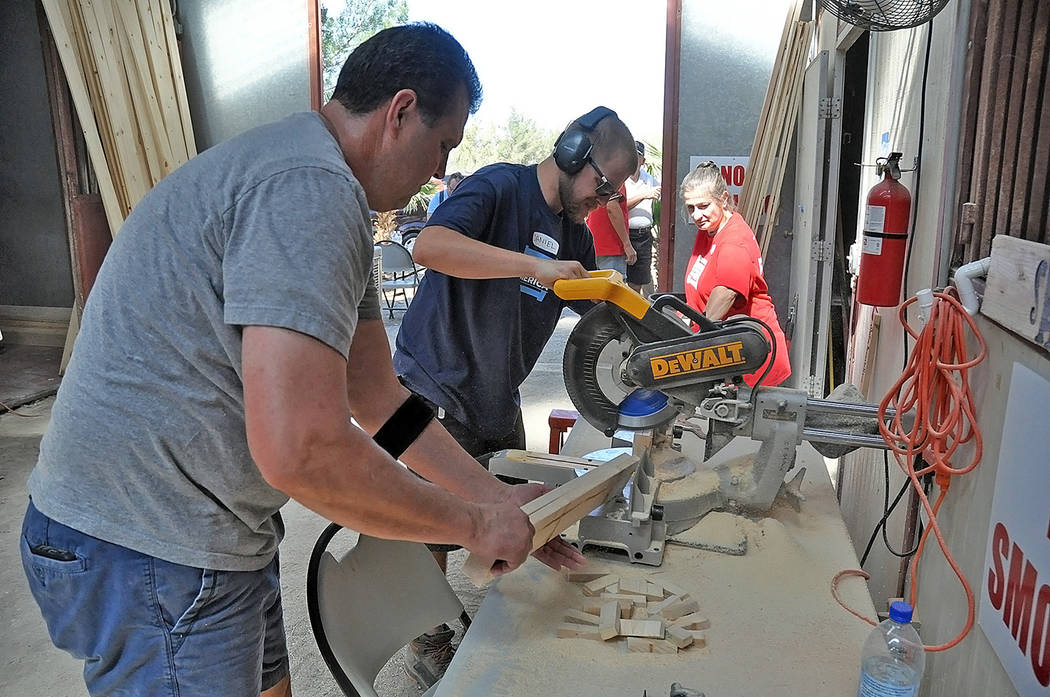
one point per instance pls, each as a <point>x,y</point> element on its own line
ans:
<point>451,253</point>
<point>353,482</point>
<point>374,395</point>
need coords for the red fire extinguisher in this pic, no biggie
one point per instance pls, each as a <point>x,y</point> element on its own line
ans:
<point>886,219</point>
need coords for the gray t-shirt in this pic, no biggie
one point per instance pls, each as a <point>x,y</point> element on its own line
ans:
<point>147,445</point>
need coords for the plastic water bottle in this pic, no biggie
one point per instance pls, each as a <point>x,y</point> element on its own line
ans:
<point>893,658</point>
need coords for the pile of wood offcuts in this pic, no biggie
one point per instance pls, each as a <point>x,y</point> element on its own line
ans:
<point>654,616</point>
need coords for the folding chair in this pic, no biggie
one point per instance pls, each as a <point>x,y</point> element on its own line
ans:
<point>399,273</point>
<point>372,601</point>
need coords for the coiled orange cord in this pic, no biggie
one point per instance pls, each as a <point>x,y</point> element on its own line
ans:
<point>935,383</point>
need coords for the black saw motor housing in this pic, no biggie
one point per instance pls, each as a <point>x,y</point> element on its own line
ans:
<point>663,354</point>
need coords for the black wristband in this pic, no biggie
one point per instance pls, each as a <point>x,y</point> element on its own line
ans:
<point>404,426</point>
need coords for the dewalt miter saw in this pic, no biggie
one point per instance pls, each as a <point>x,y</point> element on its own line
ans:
<point>659,368</point>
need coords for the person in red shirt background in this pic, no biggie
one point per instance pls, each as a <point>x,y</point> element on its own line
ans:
<point>724,275</point>
<point>612,241</point>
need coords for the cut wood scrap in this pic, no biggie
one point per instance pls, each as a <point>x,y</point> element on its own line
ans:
<point>583,576</point>
<point>642,628</point>
<point>580,617</point>
<point>699,638</point>
<point>593,606</point>
<point>679,609</point>
<point>663,646</point>
<point>692,621</point>
<point>633,599</point>
<point>609,624</point>
<point>656,608</point>
<point>597,585</point>
<point>559,508</point>
<point>670,588</point>
<point>654,591</point>
<point>568,630</point>
<point>679,637</point>
<point>634,586</point>
<point>639,645</point>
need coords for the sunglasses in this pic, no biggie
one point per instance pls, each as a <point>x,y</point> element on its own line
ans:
<point>605,189</point>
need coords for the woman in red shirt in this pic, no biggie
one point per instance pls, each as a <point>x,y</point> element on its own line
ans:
<point>724,275</point>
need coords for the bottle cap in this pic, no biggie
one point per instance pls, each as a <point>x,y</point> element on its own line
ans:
<point>900,612</point>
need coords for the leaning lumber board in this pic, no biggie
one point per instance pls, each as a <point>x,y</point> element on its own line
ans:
<point>563,506</point>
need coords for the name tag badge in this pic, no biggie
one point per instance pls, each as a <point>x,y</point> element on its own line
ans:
<point>545,242</point>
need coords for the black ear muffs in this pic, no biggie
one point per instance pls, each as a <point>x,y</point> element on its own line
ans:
<point>573,146</point>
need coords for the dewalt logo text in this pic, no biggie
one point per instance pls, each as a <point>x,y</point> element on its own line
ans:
<point>698,361</point>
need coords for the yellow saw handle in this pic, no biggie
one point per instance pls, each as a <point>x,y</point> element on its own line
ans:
<point>603,285</point>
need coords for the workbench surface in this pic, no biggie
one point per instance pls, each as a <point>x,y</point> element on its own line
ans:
<point>775,628</point>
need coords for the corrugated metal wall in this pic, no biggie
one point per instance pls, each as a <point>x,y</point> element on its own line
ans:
<point>1005,149</point>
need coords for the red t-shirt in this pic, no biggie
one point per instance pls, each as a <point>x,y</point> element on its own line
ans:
<point>606,241</point>
<point>731,258</point>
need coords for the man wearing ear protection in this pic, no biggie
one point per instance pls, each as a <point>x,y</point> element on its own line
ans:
<point>484,311</point>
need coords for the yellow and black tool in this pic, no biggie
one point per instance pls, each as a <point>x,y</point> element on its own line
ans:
<point>632,363</point>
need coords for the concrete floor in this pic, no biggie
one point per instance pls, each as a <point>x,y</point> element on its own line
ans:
<point>30,666</point>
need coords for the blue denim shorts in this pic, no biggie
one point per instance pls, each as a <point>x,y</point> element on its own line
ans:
<point>144,626</point>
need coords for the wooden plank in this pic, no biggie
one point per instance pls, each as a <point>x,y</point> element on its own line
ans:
<point>986,115</point>
<point>642,628</point>
<point>144,115</point>
<point>609,622</point>
<point>634,586</point>
<point>656,608</point>
<point>155,141</point>
<point>583,576</point>
<point>175,62</point>
<point>562,507</point>
<point>1004,99</point>
<point>113,74</point>
<point>60,21</point>
<point>597,585</point>
<point>692,622</point>
<point>577,631</point>
<point>1028,177</point>
<point>573,615</point>
<point>162,64</point>
<point>1037,218</point>
<point>1017,295</point>
<point>679,637</point>
<point>638,645</point>
<point>1012,116</point>
<point>679,609</point>
<point>968,126</point>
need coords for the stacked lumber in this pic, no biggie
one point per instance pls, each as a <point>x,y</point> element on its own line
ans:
<point>121,61</point>
<point>558,509</point>
<point>776,127</point>
<point>653,615</point>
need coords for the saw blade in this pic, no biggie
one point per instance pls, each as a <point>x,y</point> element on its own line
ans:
<point>593,367</point>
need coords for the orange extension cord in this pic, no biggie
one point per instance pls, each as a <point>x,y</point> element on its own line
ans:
<point>936,385</point>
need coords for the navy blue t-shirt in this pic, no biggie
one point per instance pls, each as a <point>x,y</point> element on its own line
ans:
<point>466,345</point>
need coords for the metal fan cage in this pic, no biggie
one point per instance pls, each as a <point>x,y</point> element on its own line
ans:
<point>885,15</point>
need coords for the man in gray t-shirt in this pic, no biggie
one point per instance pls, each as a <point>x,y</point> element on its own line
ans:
<point>231,334</point>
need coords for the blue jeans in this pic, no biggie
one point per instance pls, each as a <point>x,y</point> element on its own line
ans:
<point>617,262</point>
<point>145,626</point>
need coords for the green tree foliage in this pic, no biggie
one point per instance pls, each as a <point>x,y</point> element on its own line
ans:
<point>520,140</point>
<point>341,33</point>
